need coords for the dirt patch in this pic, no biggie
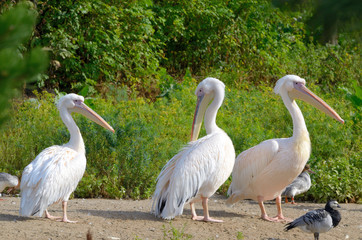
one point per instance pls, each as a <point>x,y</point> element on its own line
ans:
<point>128,219</point>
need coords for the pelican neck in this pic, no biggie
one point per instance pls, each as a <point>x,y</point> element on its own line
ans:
<point>299,126</point>
<point>76,141</point>
<point>211,112</point>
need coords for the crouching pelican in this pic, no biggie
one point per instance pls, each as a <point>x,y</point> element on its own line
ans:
<point>197,171</point>
<point>54,174</point>
<point>7,180</point>
<point>263,171</point>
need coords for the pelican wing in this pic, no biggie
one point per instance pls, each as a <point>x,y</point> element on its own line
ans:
<point>7,180</point>
<point>4,177</point>
<point>51,177</point>
<point>250,164</point>
<point>194,170</point>
<point>3,181</point>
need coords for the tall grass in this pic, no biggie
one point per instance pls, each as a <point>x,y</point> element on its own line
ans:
<point>147,134</point>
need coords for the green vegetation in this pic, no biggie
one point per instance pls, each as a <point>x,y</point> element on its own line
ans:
<point>240,236</point>
<point>18,66</point>
<point>96,43</point>
<point>138,64</point>
<point>175,234</point>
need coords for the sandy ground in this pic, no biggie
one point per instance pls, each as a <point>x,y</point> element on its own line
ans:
<point>128,219</point>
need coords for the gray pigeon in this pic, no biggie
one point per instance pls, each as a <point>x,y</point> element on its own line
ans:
<point>318,221</point>
<point>300,185</point>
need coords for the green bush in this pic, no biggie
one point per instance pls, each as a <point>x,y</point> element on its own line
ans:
<point>131,43</point>
<point>96,41</point>
<point>18,64</point>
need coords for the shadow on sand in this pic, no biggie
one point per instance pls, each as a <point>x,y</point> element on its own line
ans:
<point>139,215</point>
<point>12,218</point>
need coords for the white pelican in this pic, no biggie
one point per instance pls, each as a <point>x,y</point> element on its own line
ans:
<point>263,171</point>
<point>7,180</point>
<point>54,174</point>
<point>197,171</point>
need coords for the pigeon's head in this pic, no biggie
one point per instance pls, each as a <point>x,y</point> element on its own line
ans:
<point>333,204</point>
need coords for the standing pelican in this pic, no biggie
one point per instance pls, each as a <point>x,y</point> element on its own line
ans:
<point>263,171</point>
<point>54,174</point>
<point>7,180</point>
<point>197,171</point>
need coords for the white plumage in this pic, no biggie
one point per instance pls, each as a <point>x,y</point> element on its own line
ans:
<point>54,174</point>
<point>51,177</point>
<point>8,180</point>
<point>196,172</point>
<point>263,171</point>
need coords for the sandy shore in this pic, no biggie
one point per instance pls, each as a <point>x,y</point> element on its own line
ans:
<point>128,219</point>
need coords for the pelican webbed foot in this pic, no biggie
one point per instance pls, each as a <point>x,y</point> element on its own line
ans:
<point>47,215</point>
